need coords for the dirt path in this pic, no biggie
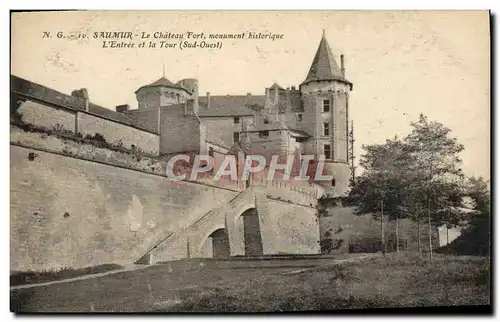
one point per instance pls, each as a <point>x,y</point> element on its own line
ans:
<point>133,267</point>
<point>336,262</point>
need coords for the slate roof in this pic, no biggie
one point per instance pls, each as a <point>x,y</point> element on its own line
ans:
<point>324,65</point>
<point>26,87</point>
<point>110,114</point>
<point>230,105</point>
<point>162,82</point>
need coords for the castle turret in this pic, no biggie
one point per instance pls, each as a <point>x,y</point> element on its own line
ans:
<point>325,95</point>
<point>163,92</point>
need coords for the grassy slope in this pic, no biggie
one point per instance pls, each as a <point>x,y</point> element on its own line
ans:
<point>21,278</point>
<point>394,281</point>
<point>372,283</point>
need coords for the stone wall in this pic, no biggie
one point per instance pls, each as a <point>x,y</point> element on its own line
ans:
<point>116,133</point>
<point>85,149</point>
<point>79,202</point>
<point>43,108</point>
<point>94,205</point>
<point>71,212</point>
<point>289,229</point>
<point>48,117</point>
<point>344,229</point>
<point>222,129</point>
<point>146,117</point>
<point>285,228</point>
<point>340,126</point>
<point>179,132</point>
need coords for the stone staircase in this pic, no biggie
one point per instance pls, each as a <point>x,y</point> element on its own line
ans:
<point>195,231</point>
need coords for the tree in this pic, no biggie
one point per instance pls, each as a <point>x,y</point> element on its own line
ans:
<point>479,224</point>
<point>435,160</point>
<point>413,177</point>
<point>382,188</point>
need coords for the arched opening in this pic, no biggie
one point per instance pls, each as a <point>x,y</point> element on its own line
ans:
<point>220,243</point>
<point>251,230</point>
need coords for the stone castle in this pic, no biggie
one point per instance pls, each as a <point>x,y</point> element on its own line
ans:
<point>88,184</point>
<point>312,119</point>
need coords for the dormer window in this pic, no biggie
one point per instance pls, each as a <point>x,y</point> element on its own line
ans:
<point>266,121</point>
<point>326,105</point>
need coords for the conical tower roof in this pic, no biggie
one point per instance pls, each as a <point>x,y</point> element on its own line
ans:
<point>324,65</point>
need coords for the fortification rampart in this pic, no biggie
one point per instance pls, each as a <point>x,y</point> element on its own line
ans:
<point>82,195</point>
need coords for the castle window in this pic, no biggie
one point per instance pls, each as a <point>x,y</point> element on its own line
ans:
<point>263,134</point>
<point>236,120</point>
<point>236,137</point>
<point>327,150</point>
<point>300,140</point>
<point>211,152</point>
<point>326,129</point>
<point>299,117</point>
<point>326,105</point>
<point>333,182</point>
<point>266,121</point>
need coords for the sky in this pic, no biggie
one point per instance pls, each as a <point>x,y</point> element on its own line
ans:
<point>402,63</point>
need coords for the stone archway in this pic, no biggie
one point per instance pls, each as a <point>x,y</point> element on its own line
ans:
<point>220,243</point>
<point>252,234</point>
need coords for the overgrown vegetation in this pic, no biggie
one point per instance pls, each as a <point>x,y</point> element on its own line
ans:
<point>417,177</point>
<point>476,237</point>
<point>97,139</point>
<point>30,277</point>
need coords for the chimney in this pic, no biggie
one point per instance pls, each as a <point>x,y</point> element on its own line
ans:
<point>249,97</point>
<point>83,94</point>
<point>293,88</point>
<point>122,108</point>
<point>208,100</point>
<point>342,68</point>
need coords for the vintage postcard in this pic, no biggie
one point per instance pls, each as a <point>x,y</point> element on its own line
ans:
<point>250,161</point>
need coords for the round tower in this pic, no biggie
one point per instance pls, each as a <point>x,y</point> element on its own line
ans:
<point>191,84</point>
<point>163,93</point>
<point>325,95</point>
